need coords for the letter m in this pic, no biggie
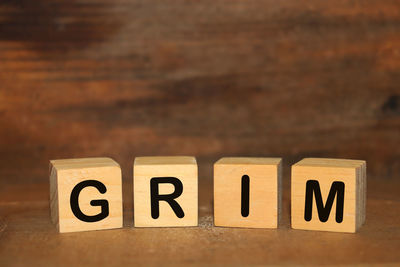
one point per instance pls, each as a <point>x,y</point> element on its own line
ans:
<point>337,189</point>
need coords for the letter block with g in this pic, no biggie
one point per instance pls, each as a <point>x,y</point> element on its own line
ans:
<point>85,194</point>
<point>328,194</point>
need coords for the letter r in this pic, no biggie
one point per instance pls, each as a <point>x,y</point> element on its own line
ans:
<point>170,198</point>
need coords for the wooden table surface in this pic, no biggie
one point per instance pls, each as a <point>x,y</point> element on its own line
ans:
<point>27,236</point>
<point>212,78</point>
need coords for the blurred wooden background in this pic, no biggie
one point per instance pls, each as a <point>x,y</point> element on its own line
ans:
<point>126,78</point>
<point>205,78</point>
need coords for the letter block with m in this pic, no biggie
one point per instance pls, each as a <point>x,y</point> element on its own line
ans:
<point>328,194</point>
<point>85,194</point>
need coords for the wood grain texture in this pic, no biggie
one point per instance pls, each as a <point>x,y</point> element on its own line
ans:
<point>127,78</point>
<point>182,168</point>
<point>327,171</point>
<point>66,174</point>
<point>264,192</point>
<point>24,217</point>
<point>124,78</point>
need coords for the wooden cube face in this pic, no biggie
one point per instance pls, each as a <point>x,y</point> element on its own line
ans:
<point>247,192</point>
<point>85,194</point>
<point>165,192</point>
<point>328,194</point>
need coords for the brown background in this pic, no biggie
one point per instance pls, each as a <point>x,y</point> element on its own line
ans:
<point>217,78</point>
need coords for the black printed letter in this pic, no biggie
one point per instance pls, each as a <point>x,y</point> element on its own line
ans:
<point>245,195</point>
<point>100,202</point>
<point>170,199</point>
<point>324,211</point>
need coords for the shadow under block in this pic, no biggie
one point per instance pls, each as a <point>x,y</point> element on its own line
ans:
<point>338,186</point>
<point>159,178</point>
<point>85,194</point>
<point>263,187</point>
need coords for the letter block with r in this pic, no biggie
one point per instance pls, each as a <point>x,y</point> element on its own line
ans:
<point>165,191</point>
<point>328,194</point>
<point>85,194</point>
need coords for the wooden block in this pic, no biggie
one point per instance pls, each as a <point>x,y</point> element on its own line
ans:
<point>247,192</point>
<point>165,191</point>
<point>85,194</point>
<point>329,194</point>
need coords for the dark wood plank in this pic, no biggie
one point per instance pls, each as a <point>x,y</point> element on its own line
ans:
<point>122,78</point>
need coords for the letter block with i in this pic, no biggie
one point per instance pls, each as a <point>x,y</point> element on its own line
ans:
<point>328,194</point>
<point>165,191</point>
<point>247,192</point>
<point>85,194</point>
